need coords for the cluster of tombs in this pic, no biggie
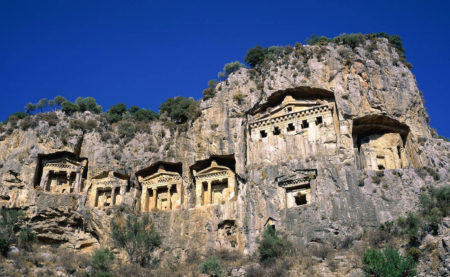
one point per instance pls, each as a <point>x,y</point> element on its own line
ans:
<point>161,184</point>
<point>379,143</point>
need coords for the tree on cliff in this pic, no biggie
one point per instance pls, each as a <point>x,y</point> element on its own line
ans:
<point>137,237</point>
<point>254,56</point>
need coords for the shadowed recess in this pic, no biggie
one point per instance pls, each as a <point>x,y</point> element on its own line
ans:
<point>378,124</point>
<point>222,160</point>
<point>168,166</point>
<point>298,93</point>
<point>54,156</point>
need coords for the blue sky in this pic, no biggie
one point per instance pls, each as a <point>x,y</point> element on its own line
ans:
<point>142,52</point>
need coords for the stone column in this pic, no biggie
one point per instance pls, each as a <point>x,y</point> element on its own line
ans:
<point>169,198</point>
<point>44,179</point>
<point>76,187</point>
<point>144,200</point>
<point>153,199</point>
<point>231,186</point>
<point>199,192</point>
<point>312,133</point>
<point>209,193</point>
<point>113,195</point>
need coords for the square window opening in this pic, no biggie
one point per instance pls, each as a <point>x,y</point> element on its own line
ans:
<point>291,127</point>
<point>263,133</point>
<point>300,199</point>
<point>276,131</point>
<point>319,120</point>
<point>305,124</point>
<point>289,109</point>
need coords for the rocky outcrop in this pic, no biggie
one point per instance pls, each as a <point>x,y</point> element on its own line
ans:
<point>358,124</point>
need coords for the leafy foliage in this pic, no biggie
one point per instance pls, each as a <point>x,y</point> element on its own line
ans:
<point>59,100</point>
<point>143,114</point>
<point>29,108</point>
<point>88,104</point>
<point>255,56</point>
<point>101,262</point>
<point>177,108</point>
<point>8,223</point>
<point>137,236</point>
<point>126,129</point>
<point>412,225</point>
<point>42,104</point>
<point>387,262</point>
<point>271,246</point>
<point>4,246</point>
<point>230,68</point>
<point>211,267</point>
<point>116,112</point>
<point>69,107</point>
<point>26,239</point>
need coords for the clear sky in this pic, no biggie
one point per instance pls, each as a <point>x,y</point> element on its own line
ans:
<point>142,52</point>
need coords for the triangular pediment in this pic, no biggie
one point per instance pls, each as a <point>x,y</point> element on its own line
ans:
<point>64,161</point>
<point>213,169</point>
<point>162,174</point>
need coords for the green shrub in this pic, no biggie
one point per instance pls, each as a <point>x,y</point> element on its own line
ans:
<point>177,108</point>
<point>412,226</point>
<point>115,112</point>
<point>255,56</point>
<point>77,124</point>
<point>88,104</point>
<point>271,246</point>
<point>414,252</point>
<point>144,115</point>
<point>101,262</point>
<point>143,127</point>
<point>230,68</point>
<point>208,93</point>
<point>59,100</point>
<point>137,237</point>
<point>4,246</point>
<point>69,107</point>
<point>213,83</point>
<point>51,118</point>
<point>238,97</point>
<point>28,122</point>
<point>91,124</point>
<point>26,239</point>
<point>42,104</point>
<point>211,267</point>
<point>126,129</point>
<point>387,262</point>
<point>29,108</point>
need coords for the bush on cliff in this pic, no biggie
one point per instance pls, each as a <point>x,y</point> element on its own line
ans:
<point>177,108</point>
<point>387,262</point>
<point>211,267</point>
<point>137,236</point>
<point>101,263</point>
<point>271,246</point>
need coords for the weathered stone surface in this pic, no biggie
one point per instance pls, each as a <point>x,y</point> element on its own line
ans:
<point>372,96</point>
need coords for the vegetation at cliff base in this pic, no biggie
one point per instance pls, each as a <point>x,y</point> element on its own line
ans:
<point>387,262</point>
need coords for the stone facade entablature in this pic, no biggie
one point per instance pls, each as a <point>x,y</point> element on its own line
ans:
<point>214,185</point>
<point>161,191</point>
<point>292,117</point>
<point>63,174</point>
<point>108,190</point>
<point>297,188</point>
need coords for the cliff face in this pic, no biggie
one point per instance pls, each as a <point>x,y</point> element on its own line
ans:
<point>322,143</point>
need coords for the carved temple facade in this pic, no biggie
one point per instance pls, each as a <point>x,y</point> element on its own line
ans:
<point>380,152</point>
<point>297,188</point>
<point>214,185</point>
<point>108,189</point>
<point>161,191</point>
<point>63,174</point>
<point>293,117</point>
